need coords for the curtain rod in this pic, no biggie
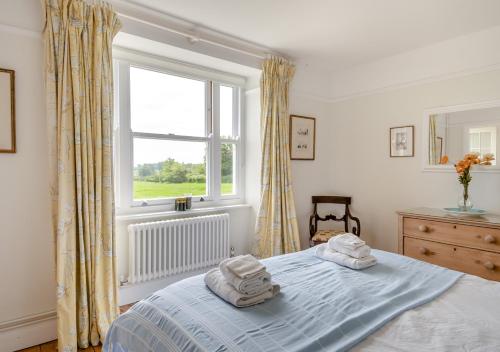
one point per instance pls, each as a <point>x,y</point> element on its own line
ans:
<point>193,38</point>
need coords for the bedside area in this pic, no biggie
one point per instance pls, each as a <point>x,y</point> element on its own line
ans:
<point>467,244</point>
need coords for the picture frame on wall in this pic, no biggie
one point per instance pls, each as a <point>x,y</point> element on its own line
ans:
<point>302,137</point>
<point>402,141</point>
<point>7,111</point>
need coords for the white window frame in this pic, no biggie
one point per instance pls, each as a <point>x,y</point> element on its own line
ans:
<point>124,136</point>
<point>469,129</point>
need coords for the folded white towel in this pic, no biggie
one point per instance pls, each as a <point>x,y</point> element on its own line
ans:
<point>326,253</point>
<point>357,253</point>
<point>218,285</point>
<point>347,240</point>
<point>251,286</point>
<point>244,266</point>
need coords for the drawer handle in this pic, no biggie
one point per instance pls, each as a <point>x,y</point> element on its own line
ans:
<point>489,239</point>
<point>424,251</point>
<point>489,265</point>
<point>423,228</point>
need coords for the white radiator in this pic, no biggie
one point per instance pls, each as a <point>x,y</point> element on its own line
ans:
<point>162,248</point>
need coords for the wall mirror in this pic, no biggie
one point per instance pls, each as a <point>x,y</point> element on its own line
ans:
<point>7,112</point>
<point>457,130</point>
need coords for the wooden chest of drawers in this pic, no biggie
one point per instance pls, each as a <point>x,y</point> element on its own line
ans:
<point>470,245</point>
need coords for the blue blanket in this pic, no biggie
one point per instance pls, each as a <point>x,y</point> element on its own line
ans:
<point>322,307</point>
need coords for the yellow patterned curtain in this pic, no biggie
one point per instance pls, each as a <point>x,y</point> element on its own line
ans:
<point>277,231</point>
<point>433,153</point>
<point>79,86</point>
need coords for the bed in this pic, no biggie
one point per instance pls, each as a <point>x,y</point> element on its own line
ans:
<point>400,304</point>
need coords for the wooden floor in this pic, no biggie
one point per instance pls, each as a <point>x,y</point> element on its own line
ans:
<point>52,345</point>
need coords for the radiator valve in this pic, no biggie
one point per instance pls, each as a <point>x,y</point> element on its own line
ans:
<point>123,280</point>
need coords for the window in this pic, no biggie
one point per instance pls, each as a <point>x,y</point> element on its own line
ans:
<point>482,140</point>
<point>229,136</point>
<point>179,135</point>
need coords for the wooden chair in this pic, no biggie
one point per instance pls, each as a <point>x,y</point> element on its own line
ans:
<point>321,236</point>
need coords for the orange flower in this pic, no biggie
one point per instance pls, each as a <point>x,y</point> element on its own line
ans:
<point>471,156</point>
<point>488,157</point>
<point>469,160</point>
<point>444,159</point>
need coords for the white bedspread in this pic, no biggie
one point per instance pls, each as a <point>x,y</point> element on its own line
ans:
<point>447,323</point>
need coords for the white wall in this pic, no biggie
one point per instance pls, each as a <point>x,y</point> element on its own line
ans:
<point>361,167</point>
<point>470,53</point>
<point>26,255</point>
<point>26,242</point>
<point>354,112</point>
<point>312,177</point>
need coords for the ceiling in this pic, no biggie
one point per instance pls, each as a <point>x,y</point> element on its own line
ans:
<point>336,34</point>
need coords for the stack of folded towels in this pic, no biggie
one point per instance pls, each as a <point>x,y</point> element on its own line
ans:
<point>347,250</point>
<point>242,281</point>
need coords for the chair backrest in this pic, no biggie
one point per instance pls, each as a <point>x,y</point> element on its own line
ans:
<point>314,218</point>
<point>331,200</point>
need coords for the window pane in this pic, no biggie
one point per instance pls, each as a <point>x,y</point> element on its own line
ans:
<point>165,169</point>
<point>226,112</point>
<point>486,142</point>
<point>162,103</point>
<point>228,157</point>
<point>474,141</point>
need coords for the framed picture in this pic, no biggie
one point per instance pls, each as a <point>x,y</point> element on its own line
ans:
<point>302,137</point>
<point>402,141</point>
<point>7,112</point>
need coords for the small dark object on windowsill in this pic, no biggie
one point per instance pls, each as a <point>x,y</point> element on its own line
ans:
<point>181,204</point>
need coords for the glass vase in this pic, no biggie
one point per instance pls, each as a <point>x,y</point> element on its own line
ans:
<point>464,201</point>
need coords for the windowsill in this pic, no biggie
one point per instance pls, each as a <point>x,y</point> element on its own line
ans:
<point>451,169</point>
<point>144,215</point>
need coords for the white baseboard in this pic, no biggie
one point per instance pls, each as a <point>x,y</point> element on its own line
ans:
<point>135,292</point>
<point>28,331</point>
